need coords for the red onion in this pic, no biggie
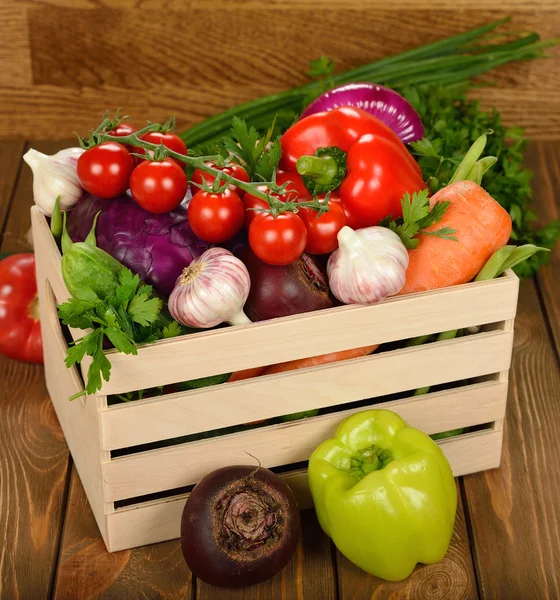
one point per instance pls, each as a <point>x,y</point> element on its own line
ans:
<point>382,102</point>
<point>281,291</point>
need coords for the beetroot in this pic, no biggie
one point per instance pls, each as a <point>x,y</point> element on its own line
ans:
<point>240,526</point>
<point>281,291</point>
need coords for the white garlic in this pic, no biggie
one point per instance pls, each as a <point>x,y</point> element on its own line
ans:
<point>369,265</point>
<point>55,176</point>
<point>211,290</point>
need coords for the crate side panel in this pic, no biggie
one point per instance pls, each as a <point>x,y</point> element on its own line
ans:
<point>79,420</point>
<point>293,442</point>
<point>159,521</point>
<point>319,387</point>
<point>311,334</point>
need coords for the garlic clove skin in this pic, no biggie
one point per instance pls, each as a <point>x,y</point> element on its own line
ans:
<point>211,290</point>
<point>55,176</point>
<point>369,265</point>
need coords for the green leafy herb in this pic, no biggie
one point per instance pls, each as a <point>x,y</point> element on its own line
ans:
<point>452,124</point>
<point>127,318</point>
<point>417,217</point>
<point>260,155</point>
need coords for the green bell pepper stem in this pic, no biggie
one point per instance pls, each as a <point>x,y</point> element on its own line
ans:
<point>323,169</point>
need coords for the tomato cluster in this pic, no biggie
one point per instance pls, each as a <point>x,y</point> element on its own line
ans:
<point>216,213</point>
<point>109,169</point>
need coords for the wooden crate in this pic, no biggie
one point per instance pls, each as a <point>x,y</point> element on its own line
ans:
<point>137,495</point>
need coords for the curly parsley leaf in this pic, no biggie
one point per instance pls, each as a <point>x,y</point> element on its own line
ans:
<point>417,217</point>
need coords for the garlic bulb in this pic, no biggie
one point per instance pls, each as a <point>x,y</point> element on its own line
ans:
<point>211,290</point>
<point>55,176</point>
<point>369,265</point>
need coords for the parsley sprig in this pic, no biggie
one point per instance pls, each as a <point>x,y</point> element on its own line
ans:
<point>417,218</point>
<point>127,318</point>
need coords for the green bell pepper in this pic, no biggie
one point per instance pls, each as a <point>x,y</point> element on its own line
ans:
<point>384,492</point>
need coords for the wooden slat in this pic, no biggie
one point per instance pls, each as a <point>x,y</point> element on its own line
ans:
<point>33,453</point>
<point>311,334</point>
<point>178,466</point>
<point>62,83</point>
<point>544,159</point>
<point>452,578</point>
<point>88,571</point>
<point>247,401</point>
<point>10,157</point>
<point>514,511</point>
<point>157,520</point>
<point>15,55</point>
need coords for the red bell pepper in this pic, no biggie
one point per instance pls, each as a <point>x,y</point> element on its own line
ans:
<point>349,149</point>
<point>20,331</point>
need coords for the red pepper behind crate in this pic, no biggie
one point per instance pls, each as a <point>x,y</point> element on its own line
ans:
<point>349,149</point>
<point>20,330</point>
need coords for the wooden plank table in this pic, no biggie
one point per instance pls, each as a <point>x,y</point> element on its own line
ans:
<point>506,543</point>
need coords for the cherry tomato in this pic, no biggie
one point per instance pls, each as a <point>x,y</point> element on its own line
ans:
<point>296,186</point>
<point>232,169</point>
<point>158,186</point>
<point>277,240</point>
<point>124,129</point>
<point>216,217</point>
<point>253,202</point>
<point>322,231</point>
<point>105,170</point>
<point>351,220</point>
<point>169,140</point>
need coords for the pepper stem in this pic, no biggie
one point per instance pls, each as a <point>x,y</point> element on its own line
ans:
<point>322,169</point>
<point>368,460</point>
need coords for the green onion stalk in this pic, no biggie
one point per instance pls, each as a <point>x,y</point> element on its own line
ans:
<point>453,61</point>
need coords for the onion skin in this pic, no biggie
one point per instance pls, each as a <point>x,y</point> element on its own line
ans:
<point>240,526</point>
<point>380,101</point>
<point>281,291</point>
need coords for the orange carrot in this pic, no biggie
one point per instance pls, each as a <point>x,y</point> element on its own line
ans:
<point>247,374</point>
<point>302,363</point>
<point>482,227</point>
<point>323,359</point>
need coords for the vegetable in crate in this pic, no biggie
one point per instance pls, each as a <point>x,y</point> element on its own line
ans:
<point>281,291</point>
<point>384,492</point>
<point>240,526</point>
<point>211,290</point>
<point>104,170</point>
<point>216,214</point>
<point>157,248</point>
<point>158,186</point>
<point>369,265</point>
<point>110,300</point>
<point>349,149</point>
<point>382,102</point>
<point>55,177</point>
<point>20,329</point>
<point>481,227</point>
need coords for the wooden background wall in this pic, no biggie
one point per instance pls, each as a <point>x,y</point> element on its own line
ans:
<point>63,62</point>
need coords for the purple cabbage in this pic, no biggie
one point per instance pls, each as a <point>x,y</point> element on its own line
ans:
<point>157,247</point>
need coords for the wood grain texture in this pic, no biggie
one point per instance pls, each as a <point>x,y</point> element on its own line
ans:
<point>10,159</point>
<point>112,54</point>
<point>514,511</point>
<point>544,159</point>
<point>88,571</point>
<point>33,453</point>
<point>451,579</point>
<point>310,574</point>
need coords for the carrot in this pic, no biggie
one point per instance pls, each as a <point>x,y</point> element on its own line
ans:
<point>323,359</point>
<point>482,227</point>
<point>246,374</point>
<point>303,363</point>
